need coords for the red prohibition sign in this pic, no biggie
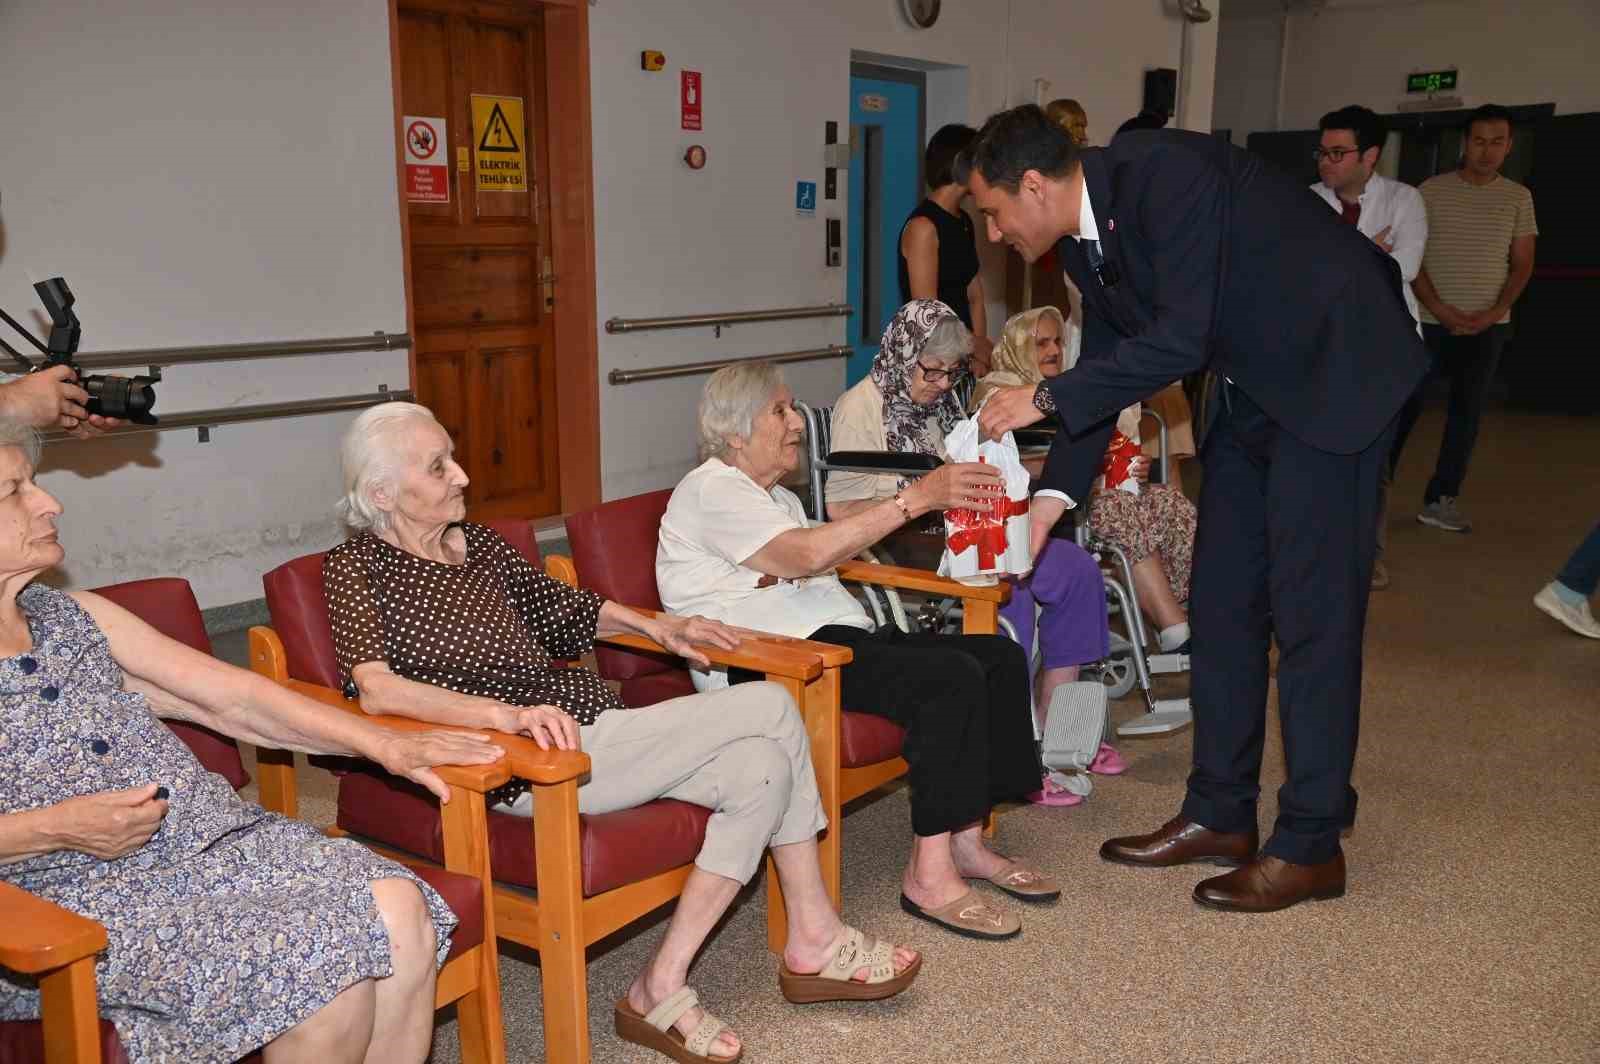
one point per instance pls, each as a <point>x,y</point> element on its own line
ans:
<point>420,136</point>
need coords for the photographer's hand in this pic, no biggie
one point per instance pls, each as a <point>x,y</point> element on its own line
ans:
<point>51,398</point>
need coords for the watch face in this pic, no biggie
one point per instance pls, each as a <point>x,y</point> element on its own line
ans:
<point>923,13</point>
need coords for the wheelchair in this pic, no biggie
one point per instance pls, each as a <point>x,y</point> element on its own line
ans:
<point>1130,662</point>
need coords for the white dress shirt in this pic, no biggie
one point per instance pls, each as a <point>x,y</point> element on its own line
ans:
<point>1398,207</point>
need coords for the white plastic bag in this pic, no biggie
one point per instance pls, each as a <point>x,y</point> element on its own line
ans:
<point>979,546</point>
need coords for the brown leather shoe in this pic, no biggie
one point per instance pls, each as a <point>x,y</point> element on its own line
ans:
<point>1179,841</point>
<point>1268,884</point>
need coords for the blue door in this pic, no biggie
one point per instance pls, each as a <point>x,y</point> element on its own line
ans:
<point>885,187</point>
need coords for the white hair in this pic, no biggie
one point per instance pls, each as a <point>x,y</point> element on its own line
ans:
<point>369,456</point>
<point>14,433</point>
<point>949,341</point>
<point>732,398</point>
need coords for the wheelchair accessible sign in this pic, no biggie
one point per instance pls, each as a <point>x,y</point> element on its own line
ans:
<point>805,198</point>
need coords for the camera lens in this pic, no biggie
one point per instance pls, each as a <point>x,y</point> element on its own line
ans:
<point>129,398</point>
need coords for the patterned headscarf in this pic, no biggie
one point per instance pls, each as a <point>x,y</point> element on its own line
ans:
<point>905,422</point>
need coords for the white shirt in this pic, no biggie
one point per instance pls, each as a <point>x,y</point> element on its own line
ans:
<point>1087,228</point>
<point>1396,206</point>
<point>716,519</point>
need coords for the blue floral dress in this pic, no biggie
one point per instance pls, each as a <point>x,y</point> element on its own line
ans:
<point>231,925</point>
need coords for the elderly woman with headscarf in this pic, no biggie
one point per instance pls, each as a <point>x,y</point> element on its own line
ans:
<point>908,403</point>
<point>439,618</point>
<point>230,929</point>
<point>735,545</point>
<point>1154,528</point>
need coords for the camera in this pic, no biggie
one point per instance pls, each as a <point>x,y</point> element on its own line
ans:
<point>128,398</point>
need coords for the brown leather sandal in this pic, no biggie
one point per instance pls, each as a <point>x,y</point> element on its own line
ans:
<point>656,1032</point>
<point>837,981</point>
<point>1025,884</point>
<point>968,915</point>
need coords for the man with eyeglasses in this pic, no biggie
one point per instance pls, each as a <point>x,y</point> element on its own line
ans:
<point>1479,259</point>
<point>1391,213</point>
<point>1193,254</point>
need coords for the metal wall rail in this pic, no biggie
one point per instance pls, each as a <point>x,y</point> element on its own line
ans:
<point>205,420</point>
<point>737,317</point>
<point>689,369</point>
<point>177,356</point>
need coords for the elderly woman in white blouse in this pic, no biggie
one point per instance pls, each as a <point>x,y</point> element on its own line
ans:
<point>439,618</point>
<point>735,545</point>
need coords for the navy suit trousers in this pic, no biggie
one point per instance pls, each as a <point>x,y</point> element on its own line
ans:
<point>1284,548</point>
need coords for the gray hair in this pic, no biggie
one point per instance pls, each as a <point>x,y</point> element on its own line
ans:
<point>368,456</point>
<point>732,398</point>
<point>950,341</point>
<point>14,433</point>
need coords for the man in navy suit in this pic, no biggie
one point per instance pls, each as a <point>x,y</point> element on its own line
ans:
<point>1192,254</point>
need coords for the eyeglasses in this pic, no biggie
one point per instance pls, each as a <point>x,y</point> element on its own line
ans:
<point>933,374</point>
<point>1334,155</point>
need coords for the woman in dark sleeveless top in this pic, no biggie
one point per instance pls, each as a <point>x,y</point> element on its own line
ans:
<point>939,248</point>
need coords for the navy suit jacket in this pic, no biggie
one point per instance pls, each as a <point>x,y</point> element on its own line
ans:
<point>1216,260</point>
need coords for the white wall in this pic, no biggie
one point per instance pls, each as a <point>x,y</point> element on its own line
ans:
<point>213,174</point>
<point>1248,62</point>
<point>1507,53</point>
<point>675,241</point>
<point>1359,51</point>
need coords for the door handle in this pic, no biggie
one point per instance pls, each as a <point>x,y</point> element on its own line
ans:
<point>548,278</point>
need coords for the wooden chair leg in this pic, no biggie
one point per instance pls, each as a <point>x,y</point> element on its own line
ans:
<point>71,1018</point>
<point>466,850</point>
<point>818,701</point>
<point>561,946</point>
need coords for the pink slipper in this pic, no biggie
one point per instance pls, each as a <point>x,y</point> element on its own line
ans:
<point>1108,762</point>
<point>1053,794</point>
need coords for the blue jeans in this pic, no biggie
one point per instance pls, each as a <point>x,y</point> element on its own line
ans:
<point>1582,571</point>
<point>1470,363</point>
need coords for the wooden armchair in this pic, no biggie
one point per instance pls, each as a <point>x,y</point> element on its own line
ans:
<point>59,947</point>
<point>572,879</point>
<point>613,552</point>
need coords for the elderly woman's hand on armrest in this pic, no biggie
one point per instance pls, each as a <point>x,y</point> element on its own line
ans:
<point>677,634</point>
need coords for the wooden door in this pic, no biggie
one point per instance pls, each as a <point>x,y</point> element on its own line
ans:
<point>483,304</point>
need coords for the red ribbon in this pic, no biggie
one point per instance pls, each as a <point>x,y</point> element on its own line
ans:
<point>984,529</point>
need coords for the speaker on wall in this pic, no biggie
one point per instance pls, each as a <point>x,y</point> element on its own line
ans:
<point>1160,90</point>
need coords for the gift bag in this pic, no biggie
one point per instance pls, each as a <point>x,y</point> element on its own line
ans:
<point>982,546</point>
<point>1117,466</point>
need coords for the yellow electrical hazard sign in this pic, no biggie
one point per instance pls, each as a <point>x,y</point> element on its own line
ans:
<point>497,136</point>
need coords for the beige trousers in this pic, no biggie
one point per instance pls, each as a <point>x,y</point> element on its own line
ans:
<point>741,752</point>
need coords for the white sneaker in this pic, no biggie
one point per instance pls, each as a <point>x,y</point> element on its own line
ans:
<point>1578,617</point>
<point>1442,513</point>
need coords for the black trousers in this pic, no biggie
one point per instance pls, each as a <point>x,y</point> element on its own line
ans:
<point>1470,363</point>
<point>1285,546</point>
<point>964,702</point>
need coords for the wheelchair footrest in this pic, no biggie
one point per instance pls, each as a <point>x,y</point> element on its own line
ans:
<point>1163,664</point>
<point>1167,716</point>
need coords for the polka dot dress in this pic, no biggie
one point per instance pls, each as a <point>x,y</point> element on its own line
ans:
<point>488,627</point>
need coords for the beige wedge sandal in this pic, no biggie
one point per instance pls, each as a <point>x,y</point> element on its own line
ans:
<point>656,1032</point>
<point>837,981</point>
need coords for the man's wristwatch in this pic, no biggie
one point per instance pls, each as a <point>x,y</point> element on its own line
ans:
<point>1043,401</point>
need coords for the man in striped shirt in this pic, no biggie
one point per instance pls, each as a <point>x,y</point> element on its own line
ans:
<point>1481,233</point>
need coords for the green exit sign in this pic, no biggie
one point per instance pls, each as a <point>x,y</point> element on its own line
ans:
<point>1431,81</point>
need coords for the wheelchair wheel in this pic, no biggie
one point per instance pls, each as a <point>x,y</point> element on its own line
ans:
<point>1118,676</point>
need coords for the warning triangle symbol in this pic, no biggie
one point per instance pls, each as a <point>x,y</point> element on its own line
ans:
<point>497,134</point>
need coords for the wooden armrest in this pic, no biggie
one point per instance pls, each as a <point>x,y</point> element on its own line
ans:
<point>775,655</point>
<point>40,936</point>
<point>899,576</point>
<point>523,756</point>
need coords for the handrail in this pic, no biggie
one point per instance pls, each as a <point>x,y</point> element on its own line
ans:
<point>176,356</point>
<point>689,369</point>
<point>736,317</point>
<point>228,415</point>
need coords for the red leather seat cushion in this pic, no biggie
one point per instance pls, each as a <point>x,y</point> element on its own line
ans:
<point>614,549</point>
<point>23,1043</point>
<point>464,895</point>
<point>617,848</point>
<point>167,604</point>
<point>655,687</point>
<point>865,739</point>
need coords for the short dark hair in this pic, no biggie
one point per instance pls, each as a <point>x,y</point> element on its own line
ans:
<point>1369,130</point>
<point>1143,120</point>
<point>1014,142</point>
<point>1489,112</point>
<point>939,162</point>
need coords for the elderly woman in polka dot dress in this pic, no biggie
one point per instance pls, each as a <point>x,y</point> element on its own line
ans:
<point>229,929</point>
<point>441,619</point>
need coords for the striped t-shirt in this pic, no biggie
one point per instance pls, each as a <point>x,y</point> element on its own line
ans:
<point>1470,229</point>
